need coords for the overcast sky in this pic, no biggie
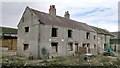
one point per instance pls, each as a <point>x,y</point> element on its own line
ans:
<point>100,13</point>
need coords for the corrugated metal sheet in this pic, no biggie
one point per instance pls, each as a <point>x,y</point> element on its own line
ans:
<point>7,30</point>
<point>48,19</point>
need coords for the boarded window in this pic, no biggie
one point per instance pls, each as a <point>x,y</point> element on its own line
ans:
<point>26,46</point>
<point>87,35</point>
<point>69,33</point>
<point>54,47</point>
<point>26,29</point>
<point>54,32</point>
<point>70,46</point>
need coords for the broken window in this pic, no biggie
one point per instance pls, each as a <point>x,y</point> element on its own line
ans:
<point>70,46</point>
<point>54,47</point>
<point>87,35</point>
<point>94,36</point>
<point>25,46</point>
<point>83,45</point>
<point>88,45</point>
<point>105,47</point>
<point>26,29</point>
<point>54,32</point>
<point>95,46</point>
<point>69,33</point>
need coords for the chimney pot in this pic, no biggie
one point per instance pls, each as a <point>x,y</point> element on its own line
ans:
<point>52,10</point>
<point>67,15</point>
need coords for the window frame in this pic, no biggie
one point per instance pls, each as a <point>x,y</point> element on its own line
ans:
<point>54,32</point>
<point>94,36</point>
<point>88,45</point>
<point>54,44</point>
<point>83,45</point>
<point>69,33</point>
<point>26,29</point>
<point>70,46</point>
<point>26,46</point>
<point>88,35</point>
<point>95,46</point>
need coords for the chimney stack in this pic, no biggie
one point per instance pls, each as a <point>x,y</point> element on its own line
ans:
<point>67,15</point>
<point>52,10</point>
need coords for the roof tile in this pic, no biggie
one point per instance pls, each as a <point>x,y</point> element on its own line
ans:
<point>60,21</point>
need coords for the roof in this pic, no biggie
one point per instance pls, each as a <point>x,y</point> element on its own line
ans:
<point>101,31</point>
<point>116,34</point>
<point>7,30</point>
<point>114,41</point>
<point>48,19</point>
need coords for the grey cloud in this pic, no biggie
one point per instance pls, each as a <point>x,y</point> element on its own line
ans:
<point>12,11</point>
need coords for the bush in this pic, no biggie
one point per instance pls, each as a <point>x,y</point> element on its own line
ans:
<point>45,53</point>
<point>117,62</point>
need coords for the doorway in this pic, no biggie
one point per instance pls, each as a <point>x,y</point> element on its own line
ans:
<point>76,48</point>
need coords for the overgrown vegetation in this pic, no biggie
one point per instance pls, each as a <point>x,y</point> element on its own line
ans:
<point>69,61</point>
<point>12,61</point>
<point>44,53</point>
<point>117,62</point>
